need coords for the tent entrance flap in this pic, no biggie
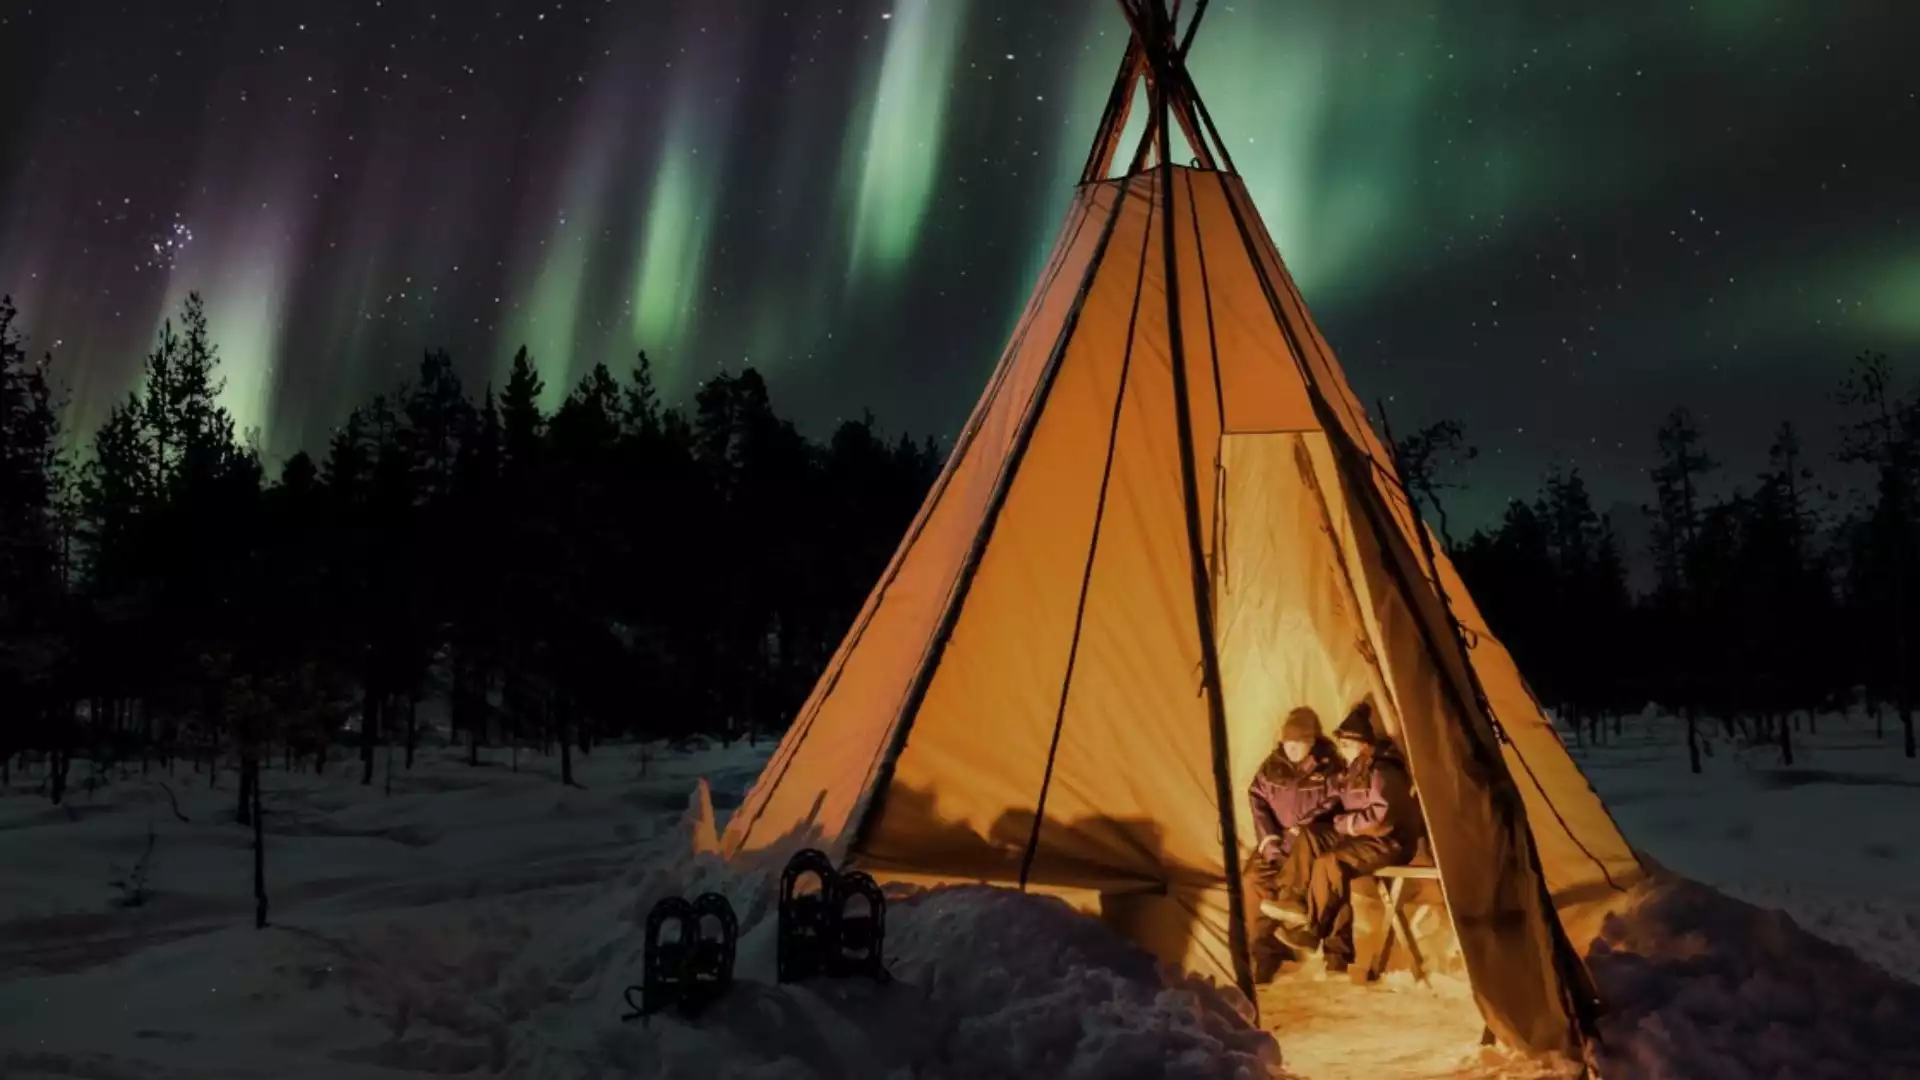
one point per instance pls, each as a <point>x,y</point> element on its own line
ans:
<point>1292,618</point>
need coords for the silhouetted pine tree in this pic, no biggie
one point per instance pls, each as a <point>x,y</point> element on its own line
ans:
<point>475,553</point>
<point>1885,435</point>
<point>527,551</point>
<point>665,517</point>
<point>168,502</point>
<point>34,612</point>
<point>1676,620</point>
<point>437,418</point>
<point>588,681</point>
<point>1589,593</point>
<point>1789,610</point>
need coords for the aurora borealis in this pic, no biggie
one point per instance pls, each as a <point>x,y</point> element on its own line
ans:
<point>1549,220</point>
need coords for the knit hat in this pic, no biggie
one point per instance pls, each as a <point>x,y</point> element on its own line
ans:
<point>1358,725</point>
<point>1301,725</point>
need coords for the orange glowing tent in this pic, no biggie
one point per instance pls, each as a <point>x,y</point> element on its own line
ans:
<point>1167,522</point>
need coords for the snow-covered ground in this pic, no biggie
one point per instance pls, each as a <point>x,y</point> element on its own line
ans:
<point>485,922</point>
<point>1833,840</point>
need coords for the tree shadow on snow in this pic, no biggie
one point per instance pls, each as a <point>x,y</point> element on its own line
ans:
<point>1784,779</point>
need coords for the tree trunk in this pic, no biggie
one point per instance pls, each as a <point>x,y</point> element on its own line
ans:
<point>1693,742</point>
<point>259,856</point>
<point>57,774</point>
<point>458,712</point>
<point>1786,741</point>
<point>560,716</point>
<point>1879,720</point>
<point>369,722</point>
<point>473,745</point>
<point>249,776</point>
<point>413,725</point>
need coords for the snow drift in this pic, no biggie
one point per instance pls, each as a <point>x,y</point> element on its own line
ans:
<point>1702,985</point>
<point>484,922</point>
<point>985,983</point>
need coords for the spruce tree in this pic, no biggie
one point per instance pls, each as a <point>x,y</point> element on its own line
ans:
<point>33,608</point>
<point>1885,435</point>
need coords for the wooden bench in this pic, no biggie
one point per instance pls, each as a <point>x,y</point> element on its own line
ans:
<point>1373,953</point>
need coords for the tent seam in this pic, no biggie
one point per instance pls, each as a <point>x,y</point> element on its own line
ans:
<point>880,772</point>
<point>1093,547</point>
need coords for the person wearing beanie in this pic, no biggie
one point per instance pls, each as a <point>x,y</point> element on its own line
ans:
<point>1294,787</point>
<point>1370,820</point>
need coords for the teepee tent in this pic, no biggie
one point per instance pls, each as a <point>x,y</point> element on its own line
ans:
<point>1167,522</point>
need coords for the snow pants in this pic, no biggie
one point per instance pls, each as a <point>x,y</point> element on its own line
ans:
<point>1320,870</point>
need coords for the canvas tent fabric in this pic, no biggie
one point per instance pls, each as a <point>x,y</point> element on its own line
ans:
<point>1167,522</point>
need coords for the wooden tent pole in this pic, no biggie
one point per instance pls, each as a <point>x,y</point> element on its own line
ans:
<point>1157,45</point>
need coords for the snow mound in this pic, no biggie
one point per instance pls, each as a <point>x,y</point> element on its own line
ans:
<point>986,983</point>
<point>1700,984</point>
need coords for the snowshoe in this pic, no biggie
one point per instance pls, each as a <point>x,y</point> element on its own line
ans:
<point>714,933</point>
<point>859,935</point>
<point>663,971</point>
<point>807,922</point>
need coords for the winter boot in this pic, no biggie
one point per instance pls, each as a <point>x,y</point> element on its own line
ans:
<point>1300,937</point>
<point>1286,909</point>
<point>1268,956</point>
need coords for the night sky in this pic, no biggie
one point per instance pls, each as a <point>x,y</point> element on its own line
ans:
<point>1550,220</point>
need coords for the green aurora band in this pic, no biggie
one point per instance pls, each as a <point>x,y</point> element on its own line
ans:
<point>899,155</point>
<point>803,188</point>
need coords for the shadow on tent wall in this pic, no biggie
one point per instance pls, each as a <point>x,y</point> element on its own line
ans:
<point>1115,869</point>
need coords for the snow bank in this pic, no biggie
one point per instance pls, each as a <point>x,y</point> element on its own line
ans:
<point>986,983</point>
<point>486,922</point>
<point>1829,839</point>
<point>1703,985</point>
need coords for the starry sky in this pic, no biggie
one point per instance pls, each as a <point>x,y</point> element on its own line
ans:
<point>1550,220</point>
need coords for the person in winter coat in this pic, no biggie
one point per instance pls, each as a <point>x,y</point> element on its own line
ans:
<point>1370,821</point>
<point>1294,783</point>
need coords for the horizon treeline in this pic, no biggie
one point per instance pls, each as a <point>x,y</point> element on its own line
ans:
<point>615,567</point>
<point>621,567</point>
<point>1769,604</point>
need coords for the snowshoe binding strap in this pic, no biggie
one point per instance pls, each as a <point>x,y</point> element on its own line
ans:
<point>806,932</point>
<point>860,915</point>
<point>715,938</point>
<point>663,972</point>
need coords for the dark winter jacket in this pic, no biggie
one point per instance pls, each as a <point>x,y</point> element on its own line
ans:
<point>1374,797</point>
<point>1283,794</point>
